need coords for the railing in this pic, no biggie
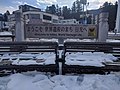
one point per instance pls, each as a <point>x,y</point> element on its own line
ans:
<point>29,47</point>
<point>37,47</point>
<point>8,36</point>
<point>106,47</point>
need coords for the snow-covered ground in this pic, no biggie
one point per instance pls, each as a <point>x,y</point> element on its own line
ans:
<point>67,82</point>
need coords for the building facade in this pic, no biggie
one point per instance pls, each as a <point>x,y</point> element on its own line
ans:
<point>68,21</point>
<point>1,22</point>
<point>32,15</point>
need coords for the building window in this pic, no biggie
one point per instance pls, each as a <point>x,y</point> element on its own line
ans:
<point>55,21</point>
<point>47,17</point>
<point>35,16</point>
<point>64,21</point>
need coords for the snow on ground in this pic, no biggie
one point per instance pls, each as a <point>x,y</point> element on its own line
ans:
<point>88,58</point>
<point>59,82</point>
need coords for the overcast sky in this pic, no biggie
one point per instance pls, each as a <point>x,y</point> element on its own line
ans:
<point>12,5</point>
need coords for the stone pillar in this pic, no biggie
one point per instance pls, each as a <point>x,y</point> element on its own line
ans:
<point>103,27</point>
<point>117,28</point>
<point>19,27</point>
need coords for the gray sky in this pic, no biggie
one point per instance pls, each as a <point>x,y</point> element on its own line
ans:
<point>12,5</point>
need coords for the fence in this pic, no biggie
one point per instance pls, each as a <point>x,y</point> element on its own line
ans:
<point>37,47</point>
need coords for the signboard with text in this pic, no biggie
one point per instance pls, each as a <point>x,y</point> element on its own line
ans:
<point>60,31</point>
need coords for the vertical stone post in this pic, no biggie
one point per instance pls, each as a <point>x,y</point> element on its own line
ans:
<point>19,27</point>
<point>103,27</point>
<point>117,28</point>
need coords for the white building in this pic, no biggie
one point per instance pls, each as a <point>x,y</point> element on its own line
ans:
<point>1,25</point>
<point>1,22</point>
<point>32,15</point>
<point>40,17</point>
<point>68,21</point>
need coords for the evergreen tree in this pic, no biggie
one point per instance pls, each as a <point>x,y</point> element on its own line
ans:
<point>6,15</point>
<point>78,6</point>
<point>47,9</point>
<point>74,7</point>
<point>51,9</point>
<point>60,11</point>
<point>66,12</point>
<point>57,9</point>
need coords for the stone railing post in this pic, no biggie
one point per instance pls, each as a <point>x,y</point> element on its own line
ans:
<point>117,27</point>
<point>19,27</point>
<point>103,27</point>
